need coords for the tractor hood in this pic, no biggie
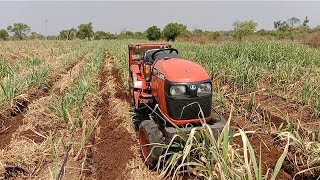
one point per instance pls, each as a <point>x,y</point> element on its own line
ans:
<point>180,70</point>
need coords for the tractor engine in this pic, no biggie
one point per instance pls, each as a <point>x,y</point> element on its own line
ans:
<point>182,89</point>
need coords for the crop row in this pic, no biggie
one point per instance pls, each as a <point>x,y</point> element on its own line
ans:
<point>31,70</point>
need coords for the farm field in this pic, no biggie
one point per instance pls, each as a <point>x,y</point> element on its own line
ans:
<point>64,112</point>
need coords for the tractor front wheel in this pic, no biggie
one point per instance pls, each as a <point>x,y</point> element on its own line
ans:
<point>149,136</point>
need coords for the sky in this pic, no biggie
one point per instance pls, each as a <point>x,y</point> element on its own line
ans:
<point>139,15</point>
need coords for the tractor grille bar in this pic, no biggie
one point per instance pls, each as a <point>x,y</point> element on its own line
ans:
<point>175,107</point>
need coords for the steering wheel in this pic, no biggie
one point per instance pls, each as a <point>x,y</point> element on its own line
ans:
<point>153,55</point>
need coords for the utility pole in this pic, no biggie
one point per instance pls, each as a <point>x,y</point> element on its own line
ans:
<point>45,27</point>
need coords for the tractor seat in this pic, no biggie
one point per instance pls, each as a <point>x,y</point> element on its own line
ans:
<point>160,55</point>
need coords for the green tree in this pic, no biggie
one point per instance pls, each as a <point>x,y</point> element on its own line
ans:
<point>153,33</point>
<point>305,22</point>
<point>68,34</point>
<point>85,31</point>
<point>63,35</point>
<point>19,30</point>
<point>131,35</point>
<point>138,35</point>
<point>172,30</point>
<point>262,32</point>
<point>197,31</point>
<point>4,35</point>
<point>281,25</point>
<point>244,28</point>
<point>111,36</point>
<point>100,35</point>
<point>103,35</point>
<point>35,35</point>
<point>293,21</point>
<point>284,28</point>
<point>124,34</point>
<point>72,33</point>
<point>215,35</point>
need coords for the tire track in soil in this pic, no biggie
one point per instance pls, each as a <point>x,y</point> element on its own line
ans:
<point>113,144</point>
<point>11,118</point>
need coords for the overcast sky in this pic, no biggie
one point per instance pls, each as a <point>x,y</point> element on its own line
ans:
<point>138,16</point>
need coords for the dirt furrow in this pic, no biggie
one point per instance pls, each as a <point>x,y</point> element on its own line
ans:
<point>11,117</point>
<point>113,148</point>
<point>27,128</point>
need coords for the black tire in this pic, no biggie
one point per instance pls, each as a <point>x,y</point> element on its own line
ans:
<point>217,118</point>
<point>220,122</point>
<point>153,135</point>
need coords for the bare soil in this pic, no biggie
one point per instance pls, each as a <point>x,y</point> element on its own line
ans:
<point>121,90</point>
<point>113,150</point>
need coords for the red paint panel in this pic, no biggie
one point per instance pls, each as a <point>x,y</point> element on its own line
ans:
<point>180,70</point>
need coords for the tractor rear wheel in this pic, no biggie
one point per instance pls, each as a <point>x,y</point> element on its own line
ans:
<point>150,134</point>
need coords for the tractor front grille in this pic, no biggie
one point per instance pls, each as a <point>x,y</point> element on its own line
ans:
<point>181,108</point>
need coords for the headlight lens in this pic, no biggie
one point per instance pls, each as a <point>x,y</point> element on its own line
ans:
<point>204,88</point>
<point>178,90</point>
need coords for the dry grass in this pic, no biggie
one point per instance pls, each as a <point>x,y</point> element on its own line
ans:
<point>41,115</point>
<point>313,41</point>
<point>24,153</point>
<point>136,169</point>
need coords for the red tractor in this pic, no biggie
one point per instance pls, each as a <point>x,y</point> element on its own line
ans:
<point>174,93</point>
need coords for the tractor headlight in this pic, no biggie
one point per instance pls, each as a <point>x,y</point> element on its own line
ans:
<point>178,90</point>
<point>204,88</point>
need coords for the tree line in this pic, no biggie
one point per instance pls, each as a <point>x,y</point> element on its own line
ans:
<point>282,29</point>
